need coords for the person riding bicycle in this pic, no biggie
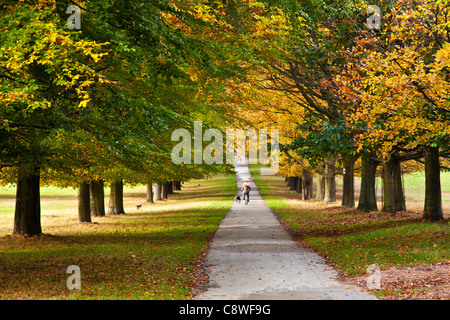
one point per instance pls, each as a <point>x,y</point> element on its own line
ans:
<point>246,189</point>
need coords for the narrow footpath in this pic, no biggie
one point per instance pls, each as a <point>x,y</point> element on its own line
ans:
<point>253,257</point>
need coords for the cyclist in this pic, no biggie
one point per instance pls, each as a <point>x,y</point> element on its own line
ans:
<point>246,189</point>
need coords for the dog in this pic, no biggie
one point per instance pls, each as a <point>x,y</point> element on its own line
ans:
<point>238,199</point>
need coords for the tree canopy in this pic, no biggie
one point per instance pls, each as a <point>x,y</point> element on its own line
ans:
<point>101,102</point>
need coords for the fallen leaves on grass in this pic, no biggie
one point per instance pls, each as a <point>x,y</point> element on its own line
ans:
<point>200,275</point>
<point>426,282</point>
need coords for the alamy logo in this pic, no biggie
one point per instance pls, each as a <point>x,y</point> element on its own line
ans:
<point>373,280</point>
<point>73,281</point>
<point>213,153</point>
<point>374,21</point>
<point>74,20</point>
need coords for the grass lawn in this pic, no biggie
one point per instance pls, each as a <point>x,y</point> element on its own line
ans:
<point>352,240</point>
<point>150,253</point>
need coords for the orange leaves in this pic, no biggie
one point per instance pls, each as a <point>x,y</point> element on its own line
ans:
<point>403,86</point>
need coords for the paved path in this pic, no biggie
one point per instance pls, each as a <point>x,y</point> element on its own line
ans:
<point>253,257</point>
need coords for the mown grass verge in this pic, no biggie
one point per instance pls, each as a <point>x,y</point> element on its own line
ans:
<point>150,253</point>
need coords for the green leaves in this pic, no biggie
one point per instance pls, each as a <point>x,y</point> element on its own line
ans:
<point>103,100</point>
<point>38,53</point>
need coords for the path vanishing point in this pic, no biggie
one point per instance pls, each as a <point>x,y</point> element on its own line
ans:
<point>252,257</point>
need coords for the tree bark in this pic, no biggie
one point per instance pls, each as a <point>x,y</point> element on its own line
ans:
<point>348,188</point>
<point>149,192</point>
<point>320,187</point>
<point>307,185</point>
<point>178,185</point>
<point>433,197</point>
<point>169,187</point>
<point>157,192</point>
<point>292,183</point>
<point>298,187</point>
<point>289,182</point>
<point>116,198</point>
<point>174,186</point>
<point>394,199</point>
<point>311,187</point>
<point>330,181</point>
<point>84,203</point>
<point>164,191</point>
<point>367,196</point>
<point>97,198</point>
<point>27,216</point>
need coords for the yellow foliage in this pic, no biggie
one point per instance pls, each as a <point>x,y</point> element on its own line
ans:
<point>405,91</point>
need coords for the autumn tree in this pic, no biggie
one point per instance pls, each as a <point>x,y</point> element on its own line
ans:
<point>46,76</point>
<point>114,90</point>
<point>300,47</point>
<point>403,96</point>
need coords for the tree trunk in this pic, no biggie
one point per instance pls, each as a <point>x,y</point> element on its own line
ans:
<point>178,185</point>
<point>97,198</point>
<point>164,191</point>
<point>27,216</point>
<point>169,188</point>
<point>292,183</point>
<point>116,198</point>
<point>289,182</point>
<point>149,192</point>
<point>348,188</point>
<point>157,192</point>
<point>307,185</point>
<point>394,199</point>
<point>84,203</point>
<point>330,181</point>
<point>320,187</point>
<point>367,196</point>
<point>298,187</point>
<point>433,197</point>
<point>311,187</point>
